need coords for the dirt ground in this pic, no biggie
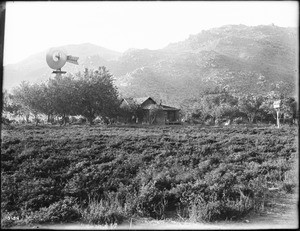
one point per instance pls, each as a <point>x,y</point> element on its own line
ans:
<point>282,215</point>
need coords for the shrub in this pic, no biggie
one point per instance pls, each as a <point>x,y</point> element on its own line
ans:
<point>212,208</point>
<point>288,187</point>
<point>148,171</point>
<point>62,211</point>
<point>151,201</point>
<point>210,211</point>
<point>105,211</point>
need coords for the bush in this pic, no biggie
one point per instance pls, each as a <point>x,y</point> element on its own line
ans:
<point>151,201</point>
<point>289,187</point>
<point>62,211</point>
<point>200,212</point>
<point>149,171</point>
<point>239,120</point>
<point>105,211</point>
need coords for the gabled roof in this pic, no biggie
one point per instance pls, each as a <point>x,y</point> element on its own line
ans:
<point>142,100</point>
<point>129,101</point>
<point>137,101</point>
<point>168,108</point>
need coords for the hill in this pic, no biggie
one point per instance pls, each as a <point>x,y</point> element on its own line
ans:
<point>237,57</point>
<point>34,68</point>
<point>240,58</point>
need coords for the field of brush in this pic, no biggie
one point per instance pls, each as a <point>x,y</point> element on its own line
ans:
<point>109,174</point>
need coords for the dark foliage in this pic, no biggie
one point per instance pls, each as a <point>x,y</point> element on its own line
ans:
<point>202,173</point>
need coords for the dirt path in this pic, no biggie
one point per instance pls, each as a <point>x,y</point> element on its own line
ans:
<point>283,215</point>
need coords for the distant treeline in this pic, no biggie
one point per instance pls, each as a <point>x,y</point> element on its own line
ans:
<point>93,93</point>
<point>87,94</point>
<point>225,106</point>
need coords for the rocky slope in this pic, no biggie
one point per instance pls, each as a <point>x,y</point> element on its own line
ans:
<point>238,57</point>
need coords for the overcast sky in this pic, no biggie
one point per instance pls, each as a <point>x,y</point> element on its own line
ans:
<point>32,27</point>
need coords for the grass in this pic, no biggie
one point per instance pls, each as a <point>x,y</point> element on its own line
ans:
<point>108,211</point>
<point>109,174</point>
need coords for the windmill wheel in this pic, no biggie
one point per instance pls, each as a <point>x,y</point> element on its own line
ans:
<point>56,59</point>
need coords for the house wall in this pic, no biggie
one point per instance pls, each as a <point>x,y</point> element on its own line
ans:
<point>177,115</point>
<point>161,117</point>
<point>147,103</point>
<point>172,116</point>
<point>146,116</point>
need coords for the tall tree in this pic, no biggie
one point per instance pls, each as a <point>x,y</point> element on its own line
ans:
<point>250,105</point>
<point>289,109</point>
<point>96,94</point>
<point>9,105</point>
<point>25,96</point>
<point>62,94</point>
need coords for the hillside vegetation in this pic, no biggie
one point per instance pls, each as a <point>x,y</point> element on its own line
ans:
<point>243,59</point>
<point>108,174</point>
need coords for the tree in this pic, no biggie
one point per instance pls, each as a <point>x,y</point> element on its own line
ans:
<point>9,105</point>
<point>33,98</point>
<point>26,96</point>
<point>250,105</point>
<point>227,111</point>
<point>218,106</point>
<point>62,94</point>
<point>289,109</point>
<point>96,95</point>
<point>89,95</point>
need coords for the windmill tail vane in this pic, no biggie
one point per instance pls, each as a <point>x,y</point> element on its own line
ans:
<point>72,59</point>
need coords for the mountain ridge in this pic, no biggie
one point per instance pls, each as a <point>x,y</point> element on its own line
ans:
<point>239,57</point>
<point>25,69</point>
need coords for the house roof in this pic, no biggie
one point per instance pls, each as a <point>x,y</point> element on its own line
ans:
<point>168,108</point>
<point>129,101</point>
<point>141,100</point>
<point>137,101</point>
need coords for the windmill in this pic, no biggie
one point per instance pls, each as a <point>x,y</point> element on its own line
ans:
<point>56,59</point>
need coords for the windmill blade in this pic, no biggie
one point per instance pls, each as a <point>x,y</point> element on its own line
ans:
<point>72,59</point>
<point>56,59</point>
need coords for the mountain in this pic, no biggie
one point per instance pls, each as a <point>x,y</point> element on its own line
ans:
<point>35,68</point>
<point>237,57</point>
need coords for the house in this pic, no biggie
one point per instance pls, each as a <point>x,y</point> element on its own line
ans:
<point>152,112</point>
<point>143,102</point>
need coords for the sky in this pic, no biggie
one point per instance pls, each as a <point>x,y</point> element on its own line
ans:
<point>32,27</point>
